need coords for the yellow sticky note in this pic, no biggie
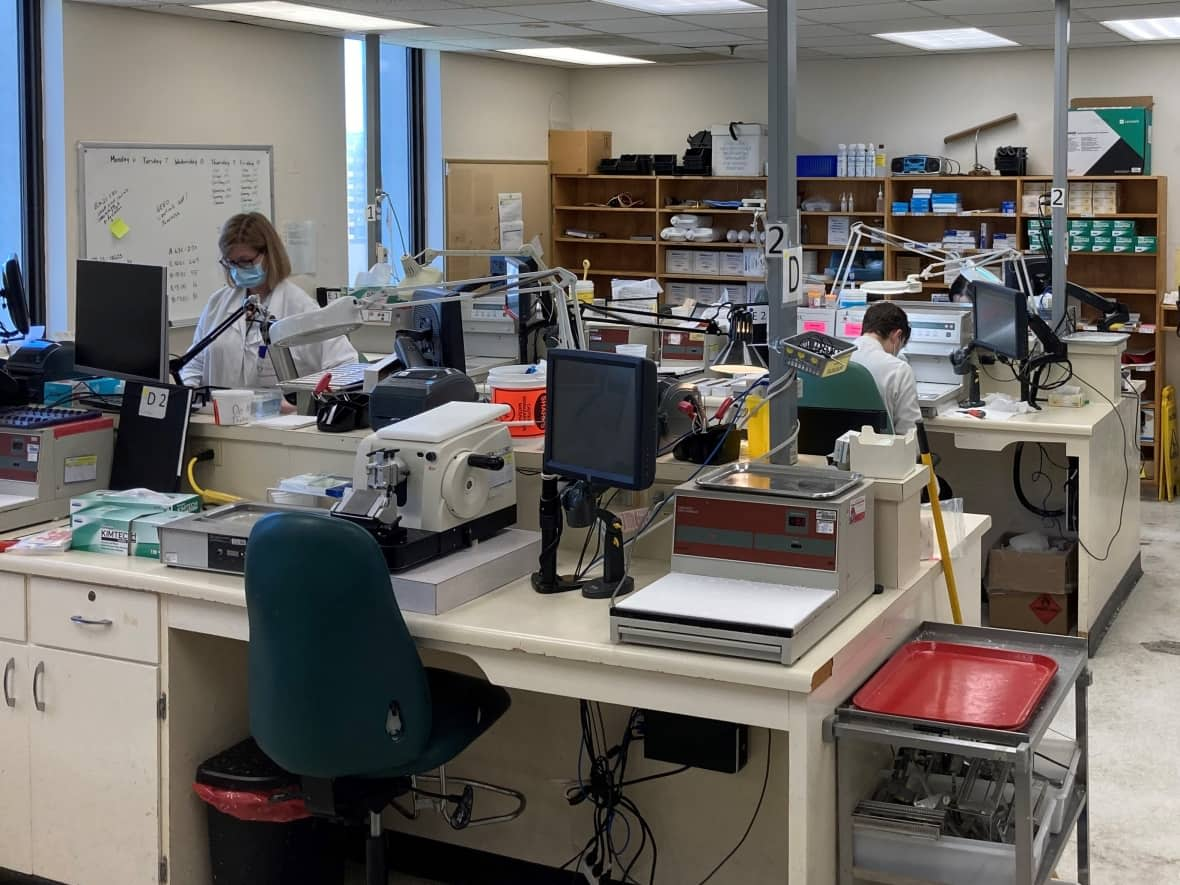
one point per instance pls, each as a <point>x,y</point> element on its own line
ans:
<point>119,228</point>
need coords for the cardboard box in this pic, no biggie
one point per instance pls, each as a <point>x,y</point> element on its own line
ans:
<point>145,533</point>
<point>706,262</point>
<point>1080,244</point>
<point>1146,244</point>
<point>677,293</point>
<point>733,264</point>
<point>1102,244</point>
<point>1102,227</point>
<point>1031,590</point>
<point>577,151</point>
<point>1081,199</point>
<point>706,293</point>
<point>1124,244</point>
<point>181,502</point>
<point>1110,141</point>
<point>106,528</point>
<point>678,261</point>
<point>733,293</point>
<point>815,319</point>
<point>744,154</point>
<point>1106,198</point>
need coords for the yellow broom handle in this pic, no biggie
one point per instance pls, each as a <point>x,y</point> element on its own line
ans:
<point>948,568</point>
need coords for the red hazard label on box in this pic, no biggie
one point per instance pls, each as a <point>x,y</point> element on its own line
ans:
<point>1045,607</point>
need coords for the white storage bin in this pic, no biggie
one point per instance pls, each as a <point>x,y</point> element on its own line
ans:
<point>949,859</point>
<point>744,154</point>
<point>677,293</point>
<point>706,293</point>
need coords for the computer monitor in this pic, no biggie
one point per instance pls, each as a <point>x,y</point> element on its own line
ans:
<point>14,296</point>
<point>437,329</point>
<point>600,418</point>
<point>1001,320</point>
<point>121,320</point>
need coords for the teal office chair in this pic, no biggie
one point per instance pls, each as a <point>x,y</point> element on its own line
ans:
<point>829,407</point>
<point>338,694</point>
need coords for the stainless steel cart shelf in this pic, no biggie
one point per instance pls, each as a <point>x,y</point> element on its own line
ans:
<point>851,726</point>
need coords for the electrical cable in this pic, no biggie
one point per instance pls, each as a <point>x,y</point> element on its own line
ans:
<point>655,777</point>
<point>1018,487</point>
<point>753,817</point>
<point>1126,477</point>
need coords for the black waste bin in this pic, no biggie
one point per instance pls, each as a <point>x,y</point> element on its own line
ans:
<point>253,841</point>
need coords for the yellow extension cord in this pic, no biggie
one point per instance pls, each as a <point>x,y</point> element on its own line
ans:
<point>207,495</point>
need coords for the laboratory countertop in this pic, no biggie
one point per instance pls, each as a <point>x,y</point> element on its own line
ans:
<point>513,618</point>
<point>1050,419</point>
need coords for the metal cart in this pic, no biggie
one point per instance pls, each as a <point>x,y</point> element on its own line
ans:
<point>852,727</point>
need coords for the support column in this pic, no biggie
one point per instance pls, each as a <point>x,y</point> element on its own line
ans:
<point>373,134</point>
<point>781,205</point>
<point>1060,155</point>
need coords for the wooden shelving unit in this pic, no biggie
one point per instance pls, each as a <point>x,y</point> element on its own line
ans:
<point>579,203</point>
<point>1138,280</point>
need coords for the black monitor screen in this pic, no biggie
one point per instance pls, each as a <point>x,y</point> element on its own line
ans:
<point>14,296</point>
<point>121,320</point>
<point>1001,320</point>
<point>600,421</point>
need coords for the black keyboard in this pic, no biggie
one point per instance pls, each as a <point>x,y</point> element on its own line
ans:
<point>36,417</point>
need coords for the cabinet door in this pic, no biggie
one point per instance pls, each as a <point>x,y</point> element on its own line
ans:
<point>95,769</point>
<point>15,703</point>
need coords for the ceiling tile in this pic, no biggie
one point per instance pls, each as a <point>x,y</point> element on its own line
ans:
<point>648,24</point>
<point>572,12</point>
<point>533,30</point>
<point>894,13</point>
<point>465,16</point>
<point>699,37</point>
<point>721,21</point>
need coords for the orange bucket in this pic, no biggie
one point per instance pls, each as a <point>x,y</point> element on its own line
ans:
<point>522,389</point>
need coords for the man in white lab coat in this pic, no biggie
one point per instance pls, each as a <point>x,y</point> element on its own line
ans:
<point>255,263</point>
<point>886,330</point>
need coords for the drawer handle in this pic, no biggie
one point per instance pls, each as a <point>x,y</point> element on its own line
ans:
<point>37,674</point>
<point>8,668</point>
<point>91,622</point>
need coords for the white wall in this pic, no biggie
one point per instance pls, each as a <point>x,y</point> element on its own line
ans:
<point>147,77</point>
<point>501,110</point>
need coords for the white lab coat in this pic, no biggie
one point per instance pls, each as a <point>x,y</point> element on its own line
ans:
<point>238,357</point>
<point>895,380</point>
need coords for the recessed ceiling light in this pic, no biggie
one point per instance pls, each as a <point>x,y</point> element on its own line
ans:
<point>948,39</point>
<point>337,19</point>
<point>685,7</point>
<point>577,56</point>
<point>1147,28</point>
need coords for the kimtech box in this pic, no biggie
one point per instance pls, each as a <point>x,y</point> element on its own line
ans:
<point>106,528</point>
<point>1110,141</point>
<point>145,533</point>
<point>183,502</point>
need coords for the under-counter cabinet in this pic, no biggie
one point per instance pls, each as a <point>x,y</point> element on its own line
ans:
<point>80,745</point>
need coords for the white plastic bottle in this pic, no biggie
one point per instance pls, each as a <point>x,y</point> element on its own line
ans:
<point>861,155</point>
<point>841,161</point>
<point>854,160</point>
<point>882,163</point>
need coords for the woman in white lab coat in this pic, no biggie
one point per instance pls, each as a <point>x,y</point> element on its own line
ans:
<point>255,263</point>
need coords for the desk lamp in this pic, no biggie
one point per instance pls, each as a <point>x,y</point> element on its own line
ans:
<point>739,356</point>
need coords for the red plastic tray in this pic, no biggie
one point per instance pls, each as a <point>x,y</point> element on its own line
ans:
<point>960,684</point>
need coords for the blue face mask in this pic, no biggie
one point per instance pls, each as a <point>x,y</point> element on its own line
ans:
<point>248,277</point>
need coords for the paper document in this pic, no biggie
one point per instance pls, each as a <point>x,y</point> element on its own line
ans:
<point>511,217</point>
<point>299,237</point>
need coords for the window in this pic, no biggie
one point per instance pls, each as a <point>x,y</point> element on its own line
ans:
<point>396,170</point>
<point>357,157</point>
<point>11,199</point>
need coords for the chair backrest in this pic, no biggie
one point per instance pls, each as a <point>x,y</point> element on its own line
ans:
<point>831,406</point>
<point>336,684</point>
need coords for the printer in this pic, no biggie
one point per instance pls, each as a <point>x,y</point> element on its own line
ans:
<point>38,361</point>
<point>411,392</point>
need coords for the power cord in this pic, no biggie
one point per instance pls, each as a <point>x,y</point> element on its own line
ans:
<point>1126,476</point>
<point>753,817</point>
<point>607,778</point>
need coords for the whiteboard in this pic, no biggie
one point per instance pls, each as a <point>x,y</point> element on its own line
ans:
<point>164,205</point>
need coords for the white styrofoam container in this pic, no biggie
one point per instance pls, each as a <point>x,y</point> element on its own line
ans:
<point>706,293</point>
<point>677,293</point>
<point>733,293</point>
<point>816,319</point>
<point>745,155</point>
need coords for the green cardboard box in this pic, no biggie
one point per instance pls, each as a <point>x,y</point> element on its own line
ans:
<point>1102,244</point>
<point>1110,141</point>
<point>1124,244</point>
<point>1099,227</point>
<point>1124,227</point>
<point>105,528</point>
<point>1146,244</point>
<point>183,502</point>
<point>145,533</point>
<point>1080,244</point>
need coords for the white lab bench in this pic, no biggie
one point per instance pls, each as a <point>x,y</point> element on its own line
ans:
<point>97,758</point>
<point>978,465</point>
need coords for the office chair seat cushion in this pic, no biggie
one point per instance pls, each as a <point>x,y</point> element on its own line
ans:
<point>463,707</point>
